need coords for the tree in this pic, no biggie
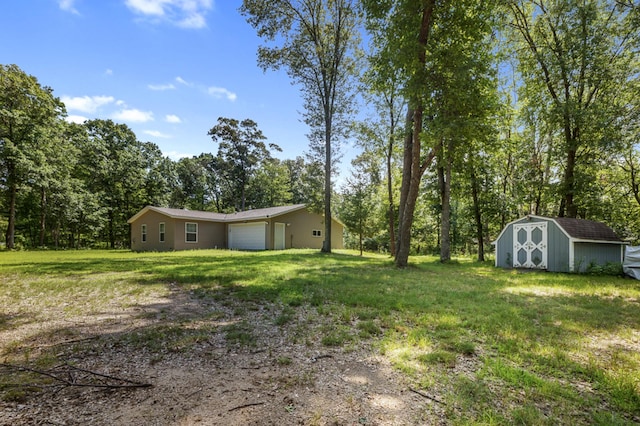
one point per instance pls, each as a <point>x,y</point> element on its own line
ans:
<point>114,167</point>
<point>357,201</point>
<point>438,80</point>
<point>381,84</point>
<point>575,57</point>
<point>406,26</point>
<point>270,186</point>
<point>241,151</point>
<point>26,111</point>
<point>319,39</point>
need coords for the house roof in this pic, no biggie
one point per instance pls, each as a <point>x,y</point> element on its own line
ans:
<point>587,229</point>
<point>220,217</point>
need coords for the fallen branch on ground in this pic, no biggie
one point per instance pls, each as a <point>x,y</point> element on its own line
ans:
<point>251,404</point>
<point>424,395</point>
<point>68,375</point>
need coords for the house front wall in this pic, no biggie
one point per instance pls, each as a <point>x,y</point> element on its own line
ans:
<point>210,235</point>
<point>299,227</point>
<point>152,220</point>
<point>301,230</point>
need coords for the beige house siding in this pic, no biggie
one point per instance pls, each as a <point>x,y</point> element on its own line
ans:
<point>298,225</point>
<point>210,235</point>
<point>152,220</point>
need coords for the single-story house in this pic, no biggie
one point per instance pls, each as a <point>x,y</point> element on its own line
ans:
<point>274,228</point>
<point>557,244</point>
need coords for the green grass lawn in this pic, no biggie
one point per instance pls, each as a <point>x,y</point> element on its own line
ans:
<point>497,346</point>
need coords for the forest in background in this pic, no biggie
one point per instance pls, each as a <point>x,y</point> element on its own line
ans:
<point>477,113</point>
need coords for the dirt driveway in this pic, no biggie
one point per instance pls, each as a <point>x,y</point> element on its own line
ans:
<point>240,366</point>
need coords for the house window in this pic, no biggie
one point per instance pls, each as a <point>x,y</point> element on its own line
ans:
<point>162,232</point>
<point>191,232</point>
<point>143,230</point>
<point>316,233</point>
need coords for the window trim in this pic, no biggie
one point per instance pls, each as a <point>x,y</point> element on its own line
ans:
<point>316,233</point>
<point>143,233</point>
<point>162,230</point>
<point>186,232</point>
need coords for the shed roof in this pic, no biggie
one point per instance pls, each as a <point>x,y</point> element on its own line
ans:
<point>220,217</point>
<point>576,229</point>
<point>587,229</point>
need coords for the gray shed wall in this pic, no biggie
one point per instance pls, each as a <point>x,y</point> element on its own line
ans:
<point>558,249</point>
<point>596,253</point>
<point>557,246</point>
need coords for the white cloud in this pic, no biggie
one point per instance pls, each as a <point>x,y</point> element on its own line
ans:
<point>183,13</point>
<point>87,104</point>
<point>182,81</point>
<point>221,92</point>
<point>67,5</point>
<point>133,115</point>
<point>161,87</point>
<point>171,118</point>
<point>175,155</point>
<point>108,71</point>
<point>78,119</point>
<point>156,134</point>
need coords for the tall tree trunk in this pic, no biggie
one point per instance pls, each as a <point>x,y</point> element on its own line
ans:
<point>412,169</point>
<point>326,244</point>
<point>43,214</point>
<point>112,235</point>
<point>360,235</point>
<point>392,220</point>
<point>568,207</point>
<point>477,213</point>
<point>11,226</point>
<point>444,177</point>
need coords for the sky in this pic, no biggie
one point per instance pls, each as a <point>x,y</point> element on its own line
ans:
<point>166,68</point>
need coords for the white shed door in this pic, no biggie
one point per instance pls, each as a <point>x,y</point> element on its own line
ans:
<point>248,236</point>
<point>530,245</point>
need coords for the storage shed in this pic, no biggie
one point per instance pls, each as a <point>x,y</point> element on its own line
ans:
<point>557,244</point>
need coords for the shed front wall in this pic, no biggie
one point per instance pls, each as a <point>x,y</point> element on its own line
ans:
<point>557,246</point>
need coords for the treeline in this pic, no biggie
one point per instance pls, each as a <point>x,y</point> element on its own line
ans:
<point>479,113</point>
<point>66,185</point>
<point>484,111</point>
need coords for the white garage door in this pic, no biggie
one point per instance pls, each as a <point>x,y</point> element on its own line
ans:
<point>248,236</point>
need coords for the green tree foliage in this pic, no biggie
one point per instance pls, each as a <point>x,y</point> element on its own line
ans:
<point>575,58</point>
<point>115,170</point>
<point>27,111</point>
<point>241,151</point>
<point>318,40</point>
<point>358,202</point>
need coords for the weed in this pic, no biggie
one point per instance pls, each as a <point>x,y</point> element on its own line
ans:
<point>239,334</point>
<point>368,329</point>
<point>445,358</point>
<point>283,360</point>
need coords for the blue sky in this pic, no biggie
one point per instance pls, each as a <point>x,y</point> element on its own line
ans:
<point>166,68</point>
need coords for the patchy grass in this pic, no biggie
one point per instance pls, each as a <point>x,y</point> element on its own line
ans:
<point>497,346</point>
